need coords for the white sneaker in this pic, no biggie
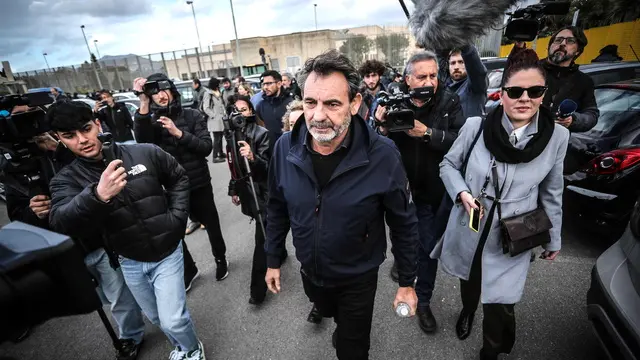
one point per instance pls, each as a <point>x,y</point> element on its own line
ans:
<point>177,354</point>
<point>197,354</point>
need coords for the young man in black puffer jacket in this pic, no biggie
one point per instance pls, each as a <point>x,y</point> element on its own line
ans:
<point>137,204</point>
<point>183,133</point>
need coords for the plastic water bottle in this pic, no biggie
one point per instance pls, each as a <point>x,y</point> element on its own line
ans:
<point>403,310</point>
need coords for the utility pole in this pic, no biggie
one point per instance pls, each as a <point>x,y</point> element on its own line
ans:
<point>196,22</point>
<point>237,42</point>
<point>315,14</point>
<point>95,71</point>
<point>95,43</point>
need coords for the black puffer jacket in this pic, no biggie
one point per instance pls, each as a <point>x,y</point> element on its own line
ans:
<point>191,150</point>
<point>258,138</point>
<point>145,222</point>
<point>117,121</point>
<point>422,159</point>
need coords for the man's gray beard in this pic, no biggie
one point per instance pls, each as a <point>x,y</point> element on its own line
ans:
<point>558,57</point>
<point>327,138</point>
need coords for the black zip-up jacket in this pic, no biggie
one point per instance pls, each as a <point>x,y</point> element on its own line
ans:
<point>571,83</point>
<point>271,110</point>
<point>145,222</point>
<point>258,138</point>
<point>339,231</point>
<point>117,121</point>
<point>422,158</point>
<point>191,150</point>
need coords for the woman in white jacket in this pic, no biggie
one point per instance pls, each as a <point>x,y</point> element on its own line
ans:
<point>213,106</point>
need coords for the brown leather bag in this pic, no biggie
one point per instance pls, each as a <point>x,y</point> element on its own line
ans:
<point>522,232</point>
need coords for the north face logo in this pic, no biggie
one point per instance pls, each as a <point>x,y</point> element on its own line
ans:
<point>137,169</point>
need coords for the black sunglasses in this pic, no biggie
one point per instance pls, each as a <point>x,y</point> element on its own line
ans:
<point>534,92</point>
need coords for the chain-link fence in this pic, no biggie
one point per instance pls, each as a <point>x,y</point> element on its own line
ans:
<point>390,44</point>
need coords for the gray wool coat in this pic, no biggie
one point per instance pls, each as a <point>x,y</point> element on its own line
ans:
<point>214,108</point>
<point>526,186</point>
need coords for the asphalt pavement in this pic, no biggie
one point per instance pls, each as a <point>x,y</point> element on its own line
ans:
<point>551,319</point>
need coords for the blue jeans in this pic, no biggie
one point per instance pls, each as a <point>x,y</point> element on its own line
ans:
<point>114,291</point>
<point>427,267</point>
<point>159,290</point>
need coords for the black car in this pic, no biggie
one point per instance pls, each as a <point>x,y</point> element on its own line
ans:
<point>602,167</point>
<point>613,300</point>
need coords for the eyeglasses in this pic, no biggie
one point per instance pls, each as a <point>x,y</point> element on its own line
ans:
<point>560,39</point>
<point>268,83</point>
<point>534,92</point>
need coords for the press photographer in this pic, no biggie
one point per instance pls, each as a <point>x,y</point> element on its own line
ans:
<point>134,198</point>
<point>26,179</point>
<point>248,186</point>
<point>182,133</point>
<point>430,117</point>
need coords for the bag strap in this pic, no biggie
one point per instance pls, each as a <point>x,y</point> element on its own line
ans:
<point>463,170</point>
<point>496,185</point>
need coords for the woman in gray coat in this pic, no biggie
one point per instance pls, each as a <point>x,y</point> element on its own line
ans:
<point>527,148</point>
<point>213,106</point>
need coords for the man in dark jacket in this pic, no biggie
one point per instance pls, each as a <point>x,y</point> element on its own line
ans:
<point>436,125</point>
<point>115,118</point>
<point>198,93</point>
<point>566,81</point>
<point>252,143</point>
<point>371,71</point>
<point>273,105</point>
<point>183,133</point>
<point>138,204</point>
<point>333,180</point>
<point>468,79</point>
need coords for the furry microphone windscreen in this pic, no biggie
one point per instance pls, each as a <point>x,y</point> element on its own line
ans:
<point>447,24</point>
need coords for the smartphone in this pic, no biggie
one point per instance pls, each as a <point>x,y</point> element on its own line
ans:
<point>474,217</point>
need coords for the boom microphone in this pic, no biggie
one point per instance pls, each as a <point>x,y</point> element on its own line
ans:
<point>448,24</point>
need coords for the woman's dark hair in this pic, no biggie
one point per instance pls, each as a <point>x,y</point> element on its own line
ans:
<point>578,33</point>
<point>69,115</point>
<point>214,83</point>
<point>235,98</point>
<point>519,60</point>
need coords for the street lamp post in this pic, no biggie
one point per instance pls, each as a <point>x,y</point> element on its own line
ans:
<point>92,64</point>
<point>45,61</point>
<point>237,42</point>
<point>95,43</point>
<point>315,14</point>
<point>196,22</point>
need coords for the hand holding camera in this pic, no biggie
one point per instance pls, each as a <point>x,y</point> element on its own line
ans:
<point>40,205</point>
<point>112,181</point>
<point>138,88</point>
<point>245,150</point>
<point>170,126</point>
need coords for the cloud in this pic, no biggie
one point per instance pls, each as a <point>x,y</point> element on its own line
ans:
<point>30,27</point>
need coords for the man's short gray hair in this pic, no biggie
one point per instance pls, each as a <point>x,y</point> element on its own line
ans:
<point>328,63</point>
<point>425,55</point>
<point>287,74</point>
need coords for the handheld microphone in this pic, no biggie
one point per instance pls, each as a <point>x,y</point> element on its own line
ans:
<point>566,108</point>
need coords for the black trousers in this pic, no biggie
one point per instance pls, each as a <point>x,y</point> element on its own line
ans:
<point>351,306</point>
<point>258,285</point>
<point>217,144</point>
<point>499,324</point>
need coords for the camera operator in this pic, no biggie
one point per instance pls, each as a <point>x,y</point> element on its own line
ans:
<point>566,81</point>
<point>436,125</point>
<point>112,290</point>
<point>183,133</point>
<point>255,148</point>
<point>138,204</point>
<point>115,118</point>
<point>371,71</point>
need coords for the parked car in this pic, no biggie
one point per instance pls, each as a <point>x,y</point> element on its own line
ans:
<point>613,300</point>
<point>124,95</point>
<point>185,88</point>
<point>600,73</point>
<point>132,105</point>
<point>603,164</point>
<point>87,101</point>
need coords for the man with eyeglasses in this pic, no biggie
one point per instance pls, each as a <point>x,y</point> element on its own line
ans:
<point>566,81</point>
<point>273,105</point>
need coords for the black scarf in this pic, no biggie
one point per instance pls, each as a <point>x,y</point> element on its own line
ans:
<point>497,139</point>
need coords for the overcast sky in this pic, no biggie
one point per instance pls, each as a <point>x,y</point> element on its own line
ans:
<point>31,27</point>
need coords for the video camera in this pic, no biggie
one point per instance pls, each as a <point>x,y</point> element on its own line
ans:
<point>524,24</point>
<point>21,161</point>
<point>399,116</point>
<point>234,121</point>
<point>153,87</point>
